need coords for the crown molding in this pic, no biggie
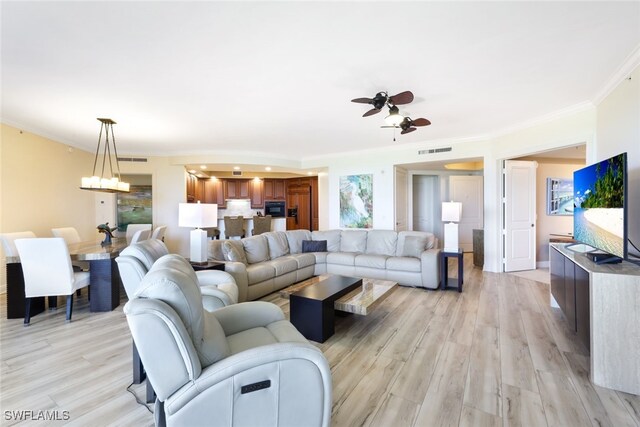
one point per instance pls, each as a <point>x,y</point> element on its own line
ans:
<point>629,64</point>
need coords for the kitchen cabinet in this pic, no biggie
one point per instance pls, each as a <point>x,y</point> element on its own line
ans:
<point>299,198</point>
<point>191,188</point>
<point>236,188</point>
<point>274,189</point>
<point>256,193</point>
<point>213,192</point>
<point>315,217</point>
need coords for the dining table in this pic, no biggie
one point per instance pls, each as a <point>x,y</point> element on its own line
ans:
<point>104,277</point>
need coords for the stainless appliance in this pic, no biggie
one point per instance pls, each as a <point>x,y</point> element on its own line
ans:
<point>275,209</point>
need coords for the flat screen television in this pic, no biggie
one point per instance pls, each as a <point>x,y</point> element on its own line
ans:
<point>600,208</point>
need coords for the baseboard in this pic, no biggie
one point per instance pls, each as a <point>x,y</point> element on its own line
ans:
<point>542,264</point>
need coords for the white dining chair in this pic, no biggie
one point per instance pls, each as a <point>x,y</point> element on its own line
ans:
<point>47,269</point>
<point>158,232</point>
<point>133,228</point>
<point>9,239</point>
<point>140,235</point>
<point>71,236</point>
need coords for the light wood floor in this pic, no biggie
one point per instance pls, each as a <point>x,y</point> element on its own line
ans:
<point>496,354</point>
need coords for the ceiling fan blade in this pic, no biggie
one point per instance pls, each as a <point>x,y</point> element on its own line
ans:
<point>402,98</point>
<point>363,100</point>
<point>371,112</point>
<point>421,122</point>
<point>407,131</point>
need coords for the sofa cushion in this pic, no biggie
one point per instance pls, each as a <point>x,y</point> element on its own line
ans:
<point>372,261</point>
<point>341,258</point>
<point>403,263</point>
<point>256,249</point>
<point>314,246</point>
<point>414,245</point>
<point>382,242</point>
<point>250,338</point>
<point>295,238</point>
<point>233,250</point>
<point>430,242</point>
<point>331,236</point>
<point>278,243</point>
<point>304,260</point>
<point>257,273</point>
<point>321,257</point>
<point>353,241</point>
<point>283,265</point>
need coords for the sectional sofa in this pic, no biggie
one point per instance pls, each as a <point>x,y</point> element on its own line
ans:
<point>271,261</point>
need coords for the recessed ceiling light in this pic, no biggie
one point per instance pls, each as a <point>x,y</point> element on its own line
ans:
<point>203,167</point>
<point>267,168</point>
<point>236,168</point>
<point>192,171</point>
<point>309,173</point>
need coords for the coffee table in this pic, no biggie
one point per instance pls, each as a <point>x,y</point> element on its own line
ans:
<point>313,302</point>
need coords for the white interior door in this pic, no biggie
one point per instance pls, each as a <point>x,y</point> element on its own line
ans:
<point>468,190</point>
<point>400,204</point>
<point>426,203</point>
<point>519,215</point>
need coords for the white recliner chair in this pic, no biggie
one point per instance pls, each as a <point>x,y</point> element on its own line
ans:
<point>241,365</point>
<point>218,288</point>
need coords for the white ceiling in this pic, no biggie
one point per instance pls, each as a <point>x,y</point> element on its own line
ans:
<point>277,78</point>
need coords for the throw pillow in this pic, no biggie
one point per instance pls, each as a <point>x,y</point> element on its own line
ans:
<point>314,246</point>
<point>234,253</point>
<point>413,246</point>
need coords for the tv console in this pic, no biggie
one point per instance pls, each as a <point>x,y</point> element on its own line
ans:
<point>601,302</point>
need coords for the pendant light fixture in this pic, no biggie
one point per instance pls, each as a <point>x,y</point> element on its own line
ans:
<point>110,183</point>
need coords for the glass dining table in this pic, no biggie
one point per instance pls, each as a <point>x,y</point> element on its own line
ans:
<point>104,280</point>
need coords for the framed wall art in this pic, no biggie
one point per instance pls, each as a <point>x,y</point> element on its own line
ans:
<point>356,201</point>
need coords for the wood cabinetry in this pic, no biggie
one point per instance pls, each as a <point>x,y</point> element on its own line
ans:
<point>299,197</point>
<point>256,193</point>
<point>192,183</point>
<point>213,192</point>
<point>274,189</point>
<point>236,188</point>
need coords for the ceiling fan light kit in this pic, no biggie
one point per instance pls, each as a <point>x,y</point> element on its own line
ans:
<point>394,119</point>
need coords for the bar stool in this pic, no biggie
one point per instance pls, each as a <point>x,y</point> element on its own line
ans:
<point>234,226</point>
<point>261,224</point>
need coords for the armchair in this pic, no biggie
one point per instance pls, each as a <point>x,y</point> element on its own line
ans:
<point>243,364</point>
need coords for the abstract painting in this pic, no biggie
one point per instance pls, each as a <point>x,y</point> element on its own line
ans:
<point>135,207</point>
<point>356,201</point>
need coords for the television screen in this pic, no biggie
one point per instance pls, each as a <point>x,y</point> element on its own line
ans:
<point>599,216</point>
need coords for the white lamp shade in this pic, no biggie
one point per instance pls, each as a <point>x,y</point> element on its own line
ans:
<point>451,211</point>
<point>198,215</point>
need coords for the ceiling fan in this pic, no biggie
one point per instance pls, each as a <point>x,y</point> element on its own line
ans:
<point>408,125</point>
<point>382,98</point>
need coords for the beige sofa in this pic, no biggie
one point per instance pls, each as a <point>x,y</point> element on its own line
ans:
<point>271,261</point>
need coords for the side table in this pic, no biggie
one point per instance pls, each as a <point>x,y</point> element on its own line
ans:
<point>444,268</point>
<point>209,265</point>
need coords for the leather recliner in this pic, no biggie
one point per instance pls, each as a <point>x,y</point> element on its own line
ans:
<point>241,365</point>
<point>218,288</point>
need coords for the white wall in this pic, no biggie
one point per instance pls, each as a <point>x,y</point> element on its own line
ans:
<point>618,125</point>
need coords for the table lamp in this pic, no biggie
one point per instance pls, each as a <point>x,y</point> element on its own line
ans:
<point>451,212</point>
<point>198,215</point>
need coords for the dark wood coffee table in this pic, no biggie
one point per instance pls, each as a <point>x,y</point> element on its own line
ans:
<point>311,309</point>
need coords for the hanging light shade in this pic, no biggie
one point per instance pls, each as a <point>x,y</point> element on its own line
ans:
<point>110,183</point>
<point>394,118</point>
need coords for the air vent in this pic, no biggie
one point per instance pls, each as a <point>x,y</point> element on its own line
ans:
<point>236,173</point>
<point>435,150</point>
<point>132,159</point>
